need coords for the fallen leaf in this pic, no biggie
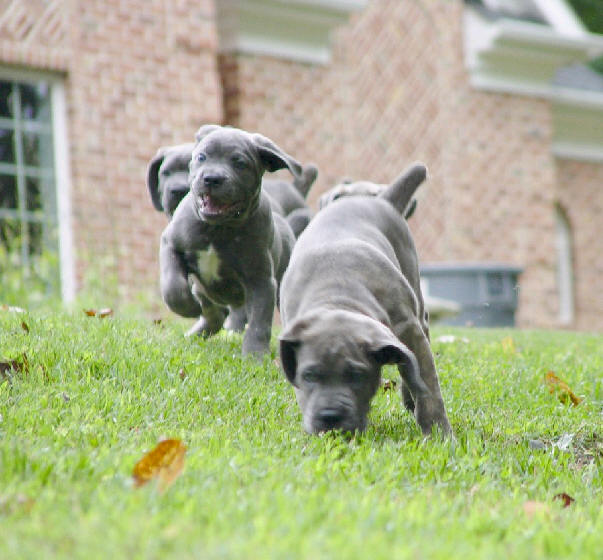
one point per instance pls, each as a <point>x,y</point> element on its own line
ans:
<point>508,345</point>
<point>388,384</point>
<point>12,309</point>
<point>90,312</point>
<point>564,393</point>
<point>565,498</point>
<point>531,508</point>
<point>182,374</point>
<point>17,366</point>
<point>165,463</point>
<point>25,326</point>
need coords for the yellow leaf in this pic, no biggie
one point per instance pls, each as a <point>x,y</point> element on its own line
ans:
<point>564,393</point>
<point>508,345</point>
<point>165,463</point>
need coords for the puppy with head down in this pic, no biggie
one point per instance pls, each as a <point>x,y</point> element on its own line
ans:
<point>351,303</point>
<point>225,250</point>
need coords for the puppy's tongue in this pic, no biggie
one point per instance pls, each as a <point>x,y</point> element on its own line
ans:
<point>211,206</point>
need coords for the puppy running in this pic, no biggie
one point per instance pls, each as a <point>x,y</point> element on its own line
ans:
<point>350,303</point>
<point>224,249</point>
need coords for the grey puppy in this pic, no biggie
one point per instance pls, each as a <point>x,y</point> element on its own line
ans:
<point>167,181</point>
<point>167,177</point>
<point>359,188</point>
<point>224,248</point>
<point>350,303</point>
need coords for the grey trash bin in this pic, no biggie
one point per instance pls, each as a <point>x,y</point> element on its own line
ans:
<point>486,292</point>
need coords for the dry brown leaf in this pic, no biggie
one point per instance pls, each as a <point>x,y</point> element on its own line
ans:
<point>182,374</point>
<point>90,312</point>
<point>508,345</point>
<point>25,326</point>
<point>165,463</point>
<point>17,366</point>
<point>564,393</point>
<point>388,384</point>
<point>565,498</point>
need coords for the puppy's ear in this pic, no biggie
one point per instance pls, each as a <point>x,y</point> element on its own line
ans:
<point>385,348</point>
<point>153,179</point>
<point>205,130</point>
<point>288,349</point>
<point>400,192</point>
<point>306,179</point>
<point>274,158</point>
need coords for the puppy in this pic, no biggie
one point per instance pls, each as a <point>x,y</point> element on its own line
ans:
<point>167,177</point>
<point>224,248</point>
<point>350,303</point>
<point>359,188</point>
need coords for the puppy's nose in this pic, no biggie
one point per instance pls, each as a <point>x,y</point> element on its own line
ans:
<point>212,180</point>
<point>330,418</point>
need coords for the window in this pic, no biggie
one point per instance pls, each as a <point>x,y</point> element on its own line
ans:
<point>28,194</point>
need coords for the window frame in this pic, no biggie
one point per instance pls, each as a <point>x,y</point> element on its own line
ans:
<point>62,171</point>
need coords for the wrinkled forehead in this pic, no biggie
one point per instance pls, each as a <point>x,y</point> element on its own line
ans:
<point>331,352</point>
<point>177,160</point>
<point>226,141</point>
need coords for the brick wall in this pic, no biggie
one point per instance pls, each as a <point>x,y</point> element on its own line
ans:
<point>143,73</point>
<point>397,90</point>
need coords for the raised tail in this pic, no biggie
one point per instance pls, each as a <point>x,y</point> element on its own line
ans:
<point>306,179</point>
<point>400,192</point>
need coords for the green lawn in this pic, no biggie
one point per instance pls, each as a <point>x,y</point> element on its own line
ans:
<point>97,394</point>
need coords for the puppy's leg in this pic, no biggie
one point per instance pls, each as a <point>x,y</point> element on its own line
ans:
<point>175,288</point>
<point>237,319</point>
<point>260,310</point>
<point>211,321</point>
<point>428,404</point>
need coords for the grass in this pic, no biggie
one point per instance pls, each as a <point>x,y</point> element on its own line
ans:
<point>97,394</point>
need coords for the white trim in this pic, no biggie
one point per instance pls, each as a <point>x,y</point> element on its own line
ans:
<point>63,189</point>
<point>521,57</point>
<point>565,265</point>
<point>581,152</point>
<point>297,30</point>
<point>562,17</point>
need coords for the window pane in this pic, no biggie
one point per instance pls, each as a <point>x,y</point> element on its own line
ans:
<point>7,146</point>
<point>8,191</point>
<point>35,101</point>
<point>37,149</point>
<point>10,234</point>
<point>33,193</point>
<point>36,239</point>
<point>6,100</point>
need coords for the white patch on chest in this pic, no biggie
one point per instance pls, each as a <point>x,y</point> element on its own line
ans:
<point>208,264</point>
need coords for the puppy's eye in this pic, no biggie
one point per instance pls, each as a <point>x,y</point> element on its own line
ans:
<point>311,376</point>
<point>239,163</point>
<point>356,376</point>
<point>201,157</point>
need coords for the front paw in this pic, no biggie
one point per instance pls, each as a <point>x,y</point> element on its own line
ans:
<point>202,328</point>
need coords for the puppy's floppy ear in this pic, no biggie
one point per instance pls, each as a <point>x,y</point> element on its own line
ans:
<point>205,130</point>
<point>290,341</point>
<point>153,178</point>
<point>274,158</point>
<point>400,192</point>
<point>385,348</point>
<point>288,348</point>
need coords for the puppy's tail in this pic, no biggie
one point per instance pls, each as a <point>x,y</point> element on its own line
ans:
<point>306,179</point>
<point>399,193</point>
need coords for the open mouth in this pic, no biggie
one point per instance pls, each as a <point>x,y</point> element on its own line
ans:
<point>210,207</point>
